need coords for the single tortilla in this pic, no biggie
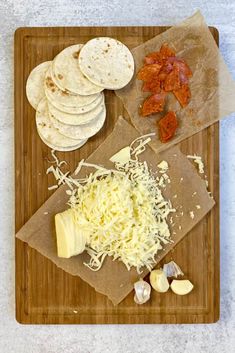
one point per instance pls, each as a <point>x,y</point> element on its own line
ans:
<point>79,110</point>
<point>55,95</point>
<point>83,131</point>
<point>212,86</point>
<point>34,85</point>
<point>61,149</point>
<point>106,62</point>
<point>49,133</point>
<point>76,119</point>
<point>67,74</point>
<point>113,279</point>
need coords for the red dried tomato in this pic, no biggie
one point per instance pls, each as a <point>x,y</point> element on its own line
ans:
<point>153,58</point>
<point>181,64</point>
<point>172,80</point>
<point>183,94</point>
<point>165,70</point>
<point>152,86</point>
<point>166,51</point>
<point>148,72</point>
<point>154,104</point>
<point>167,126</point>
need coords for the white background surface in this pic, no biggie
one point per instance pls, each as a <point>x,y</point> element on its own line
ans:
<point>219,337</point>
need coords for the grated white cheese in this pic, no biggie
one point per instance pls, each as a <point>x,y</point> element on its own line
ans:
<point>52,187</point>
<point>198,161</point>
<point>163,166</point>
<point>191,213</point>
<point>123,212</point>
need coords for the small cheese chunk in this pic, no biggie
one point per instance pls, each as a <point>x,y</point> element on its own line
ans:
<point>123,156</point>
<point>163,165</point>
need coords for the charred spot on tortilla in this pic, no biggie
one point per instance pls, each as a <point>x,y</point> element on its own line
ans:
<point>76,54</point>
<point>60,77</point>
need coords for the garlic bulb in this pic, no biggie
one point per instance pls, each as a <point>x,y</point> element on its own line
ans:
<point>142,292</point>
<point>172,270</point>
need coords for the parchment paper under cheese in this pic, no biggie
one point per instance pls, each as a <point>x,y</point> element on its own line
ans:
<point>212,86</point>
<point>113,279</point>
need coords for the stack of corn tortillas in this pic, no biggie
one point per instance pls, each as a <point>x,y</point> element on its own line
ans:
<point>67,93</point>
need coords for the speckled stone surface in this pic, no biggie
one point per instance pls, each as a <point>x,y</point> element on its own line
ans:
<point>216,338</point>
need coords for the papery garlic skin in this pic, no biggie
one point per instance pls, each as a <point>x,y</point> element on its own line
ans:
<point>171,269</point>
<point>142,292</point>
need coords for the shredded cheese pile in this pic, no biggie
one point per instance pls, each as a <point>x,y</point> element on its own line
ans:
<point>122,211</point>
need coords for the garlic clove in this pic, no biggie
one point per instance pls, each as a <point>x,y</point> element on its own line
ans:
<point>181,287</point>
<point>142,292</point>
<point>172,270</point>
<point>159,281</point>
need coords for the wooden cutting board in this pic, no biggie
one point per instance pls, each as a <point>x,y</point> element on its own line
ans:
<point>46,294</point>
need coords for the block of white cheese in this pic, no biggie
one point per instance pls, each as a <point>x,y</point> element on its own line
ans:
<point>70,240</point>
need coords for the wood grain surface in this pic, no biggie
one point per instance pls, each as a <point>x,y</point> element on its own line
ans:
<point>46,294</point>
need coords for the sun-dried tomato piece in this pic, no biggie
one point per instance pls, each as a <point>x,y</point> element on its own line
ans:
<point>183,78</point>
<point>172,80</point>
<point>167,126</point>
<point>154,104</point>
<point>165,70</point>
<point>153,58</point>
<point>166,51</point>
<point>183,95</point>
<point>181,64</point>
<point>148,72</point>
<point>152,86</point>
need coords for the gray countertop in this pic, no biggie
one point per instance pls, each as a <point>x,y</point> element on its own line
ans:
<point>18,338</point>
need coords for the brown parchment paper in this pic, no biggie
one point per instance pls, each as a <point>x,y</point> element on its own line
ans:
<point>113,279</point>
<point>212,86</point>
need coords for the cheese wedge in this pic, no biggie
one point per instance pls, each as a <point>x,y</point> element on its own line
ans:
<point>123,156</point>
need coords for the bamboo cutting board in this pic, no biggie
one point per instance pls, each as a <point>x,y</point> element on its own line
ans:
<point>46,294</point>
